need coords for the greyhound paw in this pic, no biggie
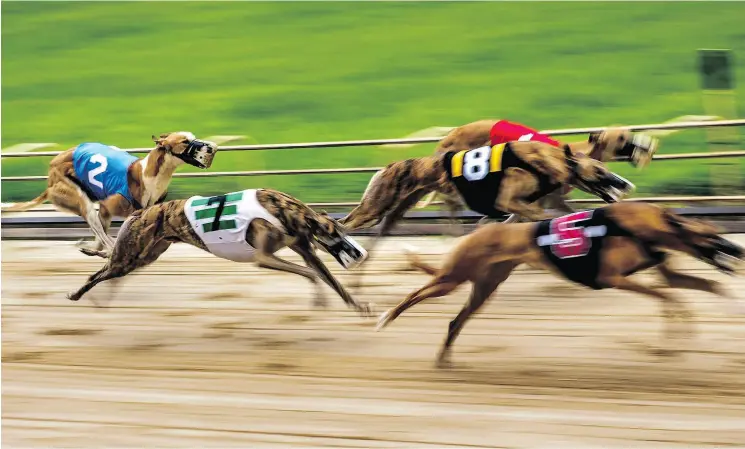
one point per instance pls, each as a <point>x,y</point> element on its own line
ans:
<point>94,252</point>
<point>444,362</point>
<point>718,289</point>
<point>412,255</point>
<point>383,321</point>
<point>320,303</point>
<point>366,309</point>
<point>409,250</point>
<point>73,296</point>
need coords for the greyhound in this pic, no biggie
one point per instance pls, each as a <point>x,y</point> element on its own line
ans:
<point>597,248</point>
<point>98,182</point>
<point>494,181</point>
<point>245,226</point>
<point>607,145</point>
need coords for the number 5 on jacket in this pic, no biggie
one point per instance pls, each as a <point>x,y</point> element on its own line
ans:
<point>571,239</point>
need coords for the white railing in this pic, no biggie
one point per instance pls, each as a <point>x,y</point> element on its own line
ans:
<point>380,142</point>
<point>323,171</point>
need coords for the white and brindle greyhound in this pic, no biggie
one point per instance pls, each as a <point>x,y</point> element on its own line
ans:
<point>245,226</point>
<point>98,182</point>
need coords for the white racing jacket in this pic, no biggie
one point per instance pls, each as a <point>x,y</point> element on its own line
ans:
<point>221,222</point>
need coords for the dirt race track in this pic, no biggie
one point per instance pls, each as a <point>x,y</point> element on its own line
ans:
<point>199,352</point>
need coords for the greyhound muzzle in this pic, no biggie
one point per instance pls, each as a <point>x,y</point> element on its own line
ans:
<point>724,255</point>
<point>199,153</point>
<point>611,188</point>
<point>345,250</point>
<point>640,150</point>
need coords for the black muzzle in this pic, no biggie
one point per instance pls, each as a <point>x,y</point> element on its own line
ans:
<point>639,150</point>
<point>345,250</point>
<point>612,188</point>
<point>723,254</point>
<point>199,153</point>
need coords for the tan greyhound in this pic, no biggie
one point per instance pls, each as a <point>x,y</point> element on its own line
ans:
<point>597,248</point>
<point>98,182</point>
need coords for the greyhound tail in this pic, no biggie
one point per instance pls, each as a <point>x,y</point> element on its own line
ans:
<point>432,131</point>
<point>358,217</point>
<point>20,207</point>
<point>415,262</point>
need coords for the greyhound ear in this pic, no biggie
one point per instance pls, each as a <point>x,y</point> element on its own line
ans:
<point>160,141</point>
<point>594,137</point>
<point>568,152</point>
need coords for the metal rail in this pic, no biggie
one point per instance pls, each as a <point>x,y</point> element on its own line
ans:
<point>415,224</point>
<point>319,171</point>
<point>352,204</point>
<point>378,142</point>
<point>721,211</point>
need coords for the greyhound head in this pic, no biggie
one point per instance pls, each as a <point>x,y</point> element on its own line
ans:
<point>613,142</point>
<point>594,178</point>
<point>332,238</point>
<point>185,146</point>
<point>706,242</point>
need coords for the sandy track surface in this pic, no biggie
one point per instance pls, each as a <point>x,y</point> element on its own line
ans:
<point>199,352</point>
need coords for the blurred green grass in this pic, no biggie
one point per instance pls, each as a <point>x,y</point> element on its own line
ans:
<point>295,71</point>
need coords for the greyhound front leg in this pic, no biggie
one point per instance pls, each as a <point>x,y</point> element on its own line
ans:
<point>556,200</point>
<point>672,308</point>
<point>93,218</point>
<point>266,260</point>
<point>518,184</point>
<point>268,240</point>
<point>308,254</point>
<point>454,206</point>
<point>519,208</point>
<point>675,279</point>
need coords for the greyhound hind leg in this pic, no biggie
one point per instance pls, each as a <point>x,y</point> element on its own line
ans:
<point>136,246</point>
<point>676,279</point>
<point>66,196</point>
<point>482,290</point>
<point>439,286</point>
<point>389,222</point>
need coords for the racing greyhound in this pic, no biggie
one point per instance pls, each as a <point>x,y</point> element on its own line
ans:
<point>596,248</point>
<point>98,182</point>
<point>494,181</point>
<point>604,146</point>
<point>245,226</point>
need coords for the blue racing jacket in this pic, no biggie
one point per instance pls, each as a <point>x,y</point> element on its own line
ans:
<point>103,170</point>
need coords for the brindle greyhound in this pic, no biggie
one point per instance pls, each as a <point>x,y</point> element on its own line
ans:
<point>537,170</point>
<point>603,146</point>
<point>144,180</point>
<point>610,244</point>
<point>271,219</point>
